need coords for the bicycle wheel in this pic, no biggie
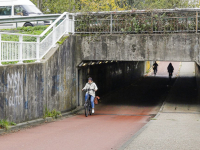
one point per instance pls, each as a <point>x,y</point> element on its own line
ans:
<point>86,109</point>
<point>90,110</point>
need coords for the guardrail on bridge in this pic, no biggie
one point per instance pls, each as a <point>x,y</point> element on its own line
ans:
<point>139,21</point>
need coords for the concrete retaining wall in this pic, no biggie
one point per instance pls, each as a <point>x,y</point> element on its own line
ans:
<point>26,89</point>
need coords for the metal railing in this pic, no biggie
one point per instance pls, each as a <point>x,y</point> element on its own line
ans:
<point>139,21</point>
<point>29,18</point>
<point>36,49</point>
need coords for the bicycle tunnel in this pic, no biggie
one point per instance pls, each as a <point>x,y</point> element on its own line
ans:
<point>123,83</point>
<point>109,75</point>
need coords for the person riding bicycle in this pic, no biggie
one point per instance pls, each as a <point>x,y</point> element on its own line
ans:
<point>91,88</point>
<point>170,69</point>
<point>155,67</point>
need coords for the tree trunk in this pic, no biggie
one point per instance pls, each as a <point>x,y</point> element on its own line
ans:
<point>39,4</point>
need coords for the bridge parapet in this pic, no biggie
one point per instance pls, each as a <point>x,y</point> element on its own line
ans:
<point>140,47</point>
<point>140,21</point>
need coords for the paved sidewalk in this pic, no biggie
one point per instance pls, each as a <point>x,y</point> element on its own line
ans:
<point>177,126</point>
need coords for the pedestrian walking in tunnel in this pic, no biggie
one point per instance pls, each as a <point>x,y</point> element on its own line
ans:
<point>155,67</point>
<point>90,89</point>
<point>170,69</point>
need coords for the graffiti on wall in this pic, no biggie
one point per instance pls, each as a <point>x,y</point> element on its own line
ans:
<point>15,89</point>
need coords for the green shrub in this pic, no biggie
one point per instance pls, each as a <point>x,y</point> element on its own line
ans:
<point>4,124</point>
<point>54,114</point>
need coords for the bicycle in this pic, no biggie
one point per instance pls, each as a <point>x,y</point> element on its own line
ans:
<point>88,106</point>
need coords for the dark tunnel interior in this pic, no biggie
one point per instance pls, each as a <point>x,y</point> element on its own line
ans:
<point>124,83</point>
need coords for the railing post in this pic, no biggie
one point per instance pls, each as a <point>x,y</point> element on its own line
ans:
<point>0,50</point>
<point>197,20</point>
<point>54,36</point>
<point>111,23</point>
<point>38,50</point>
<point>73,24</point>
<point>151,22</point>
<point>20,49</point>
<point>67,23</point>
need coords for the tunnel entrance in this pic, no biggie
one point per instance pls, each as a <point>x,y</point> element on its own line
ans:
<point>133,86</point>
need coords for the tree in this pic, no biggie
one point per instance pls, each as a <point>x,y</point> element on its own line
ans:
<point>56,6</point>
<point>102,5</point>
<point>164,4</point>
<point>60,6</point>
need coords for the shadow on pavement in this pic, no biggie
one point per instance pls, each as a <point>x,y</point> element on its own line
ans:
<point>148,91</point>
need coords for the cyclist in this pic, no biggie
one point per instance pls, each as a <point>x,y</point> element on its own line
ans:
<point>170,69</point>
<point>91,88</point>
<point>155,67</point>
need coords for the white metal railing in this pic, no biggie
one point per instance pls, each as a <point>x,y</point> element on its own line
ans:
<point>21,50</point>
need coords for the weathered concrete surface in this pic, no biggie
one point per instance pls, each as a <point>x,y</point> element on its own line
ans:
<point>22,95</point>
<point>137,47</point>
<point>26,89</point>
<point>60,77</point>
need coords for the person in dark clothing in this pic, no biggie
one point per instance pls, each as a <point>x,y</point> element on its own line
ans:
<point>155,67</point>
<point>170,69</point>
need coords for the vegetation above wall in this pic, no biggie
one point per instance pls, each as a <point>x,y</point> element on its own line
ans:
<point>60,6</point>
<point>37,30</point>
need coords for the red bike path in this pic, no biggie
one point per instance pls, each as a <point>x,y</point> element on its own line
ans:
<point>117,118</point>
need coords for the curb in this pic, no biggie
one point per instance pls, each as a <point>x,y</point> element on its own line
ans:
<point>38,122</point>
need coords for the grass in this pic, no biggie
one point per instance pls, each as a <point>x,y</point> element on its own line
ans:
<point>4,124</point>
<point>15,62</point>
<point>54,114</point>
<point>9,63</point>
<point>62,40</point>
<point>37,30</point>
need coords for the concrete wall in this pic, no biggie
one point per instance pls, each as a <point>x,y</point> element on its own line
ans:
<point>26,89</point>
<point>111,76</point>
<point>60,77</point>
<point>138,47</point>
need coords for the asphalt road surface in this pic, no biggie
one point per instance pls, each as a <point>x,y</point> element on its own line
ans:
<point>117,118</point>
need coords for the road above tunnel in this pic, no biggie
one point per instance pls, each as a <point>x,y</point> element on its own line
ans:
<point>117,118</point>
